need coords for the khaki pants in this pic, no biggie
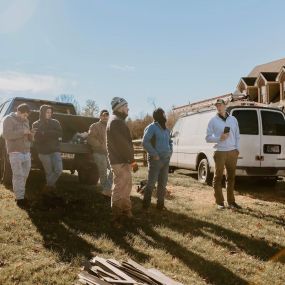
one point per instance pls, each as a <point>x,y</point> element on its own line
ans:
<point>121,202</point>
<point>228,160</point>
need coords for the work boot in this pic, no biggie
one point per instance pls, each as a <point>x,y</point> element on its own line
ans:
<point>234,205</point>
<point>22,203</point>
<point>160,206</point>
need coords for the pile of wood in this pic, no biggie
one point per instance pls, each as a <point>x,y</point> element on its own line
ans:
<point>100,271</point>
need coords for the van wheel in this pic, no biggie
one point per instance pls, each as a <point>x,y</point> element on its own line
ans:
<point>204,175</point>
<point>5,168</point>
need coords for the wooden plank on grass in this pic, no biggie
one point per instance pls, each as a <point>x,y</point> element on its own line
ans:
<point>91,279</point>
<point>114,270</point>
<point>145,271</point>
<point>165,279</point>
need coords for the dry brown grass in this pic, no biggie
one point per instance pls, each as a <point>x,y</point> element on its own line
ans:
<point>191,241</point>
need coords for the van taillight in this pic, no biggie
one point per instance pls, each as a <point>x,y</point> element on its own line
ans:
<point>272,148</point>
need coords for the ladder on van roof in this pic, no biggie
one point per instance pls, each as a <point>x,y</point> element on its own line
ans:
<point>234,100</point>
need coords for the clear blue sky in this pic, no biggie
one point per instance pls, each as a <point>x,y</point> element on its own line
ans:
<point>167,51</point>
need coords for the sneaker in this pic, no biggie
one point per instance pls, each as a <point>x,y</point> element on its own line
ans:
<point>234,205</point>
<point>221,206</point>
<point>22,203</point>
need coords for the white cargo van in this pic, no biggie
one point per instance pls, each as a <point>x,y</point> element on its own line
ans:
<point>262,142</point>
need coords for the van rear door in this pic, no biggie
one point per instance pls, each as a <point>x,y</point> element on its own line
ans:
<point>249,136</point>
<point>272,138</point>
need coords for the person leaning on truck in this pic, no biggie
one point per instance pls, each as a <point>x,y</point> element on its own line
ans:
<point>18,137</point>
<point>97,140</point>
<point>223,129</point>
<point>48,132</point>
<point>121,156</point>
<point>158,144</point>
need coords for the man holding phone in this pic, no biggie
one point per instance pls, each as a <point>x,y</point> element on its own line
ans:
<point>223,129</point>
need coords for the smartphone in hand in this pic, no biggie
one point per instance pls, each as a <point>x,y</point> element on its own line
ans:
<point>227,130</point>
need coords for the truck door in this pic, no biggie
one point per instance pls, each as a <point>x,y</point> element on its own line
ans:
<point>272,138</point>
<point>249,126</point>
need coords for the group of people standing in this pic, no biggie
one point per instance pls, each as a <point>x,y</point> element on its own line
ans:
<point>45,134</point>
<point>111,141</point>
<point>113,152</point>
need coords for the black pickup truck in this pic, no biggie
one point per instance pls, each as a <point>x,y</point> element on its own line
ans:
<point>76,154</point>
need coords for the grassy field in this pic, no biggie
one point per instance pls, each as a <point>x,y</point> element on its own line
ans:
<point>192,241</point>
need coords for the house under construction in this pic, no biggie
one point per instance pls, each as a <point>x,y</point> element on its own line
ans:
<point>264,84</point>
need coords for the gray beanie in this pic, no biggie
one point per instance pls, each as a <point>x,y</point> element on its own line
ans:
<point>117,103</point>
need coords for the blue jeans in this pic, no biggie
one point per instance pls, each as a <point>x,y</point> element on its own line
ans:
<point>52,164</point>
<point>21,166</point>
<point>157,173</point>
<point>105,173</point>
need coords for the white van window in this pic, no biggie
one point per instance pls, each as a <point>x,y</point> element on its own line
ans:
<point>273,123</point>
<point>248,121</point>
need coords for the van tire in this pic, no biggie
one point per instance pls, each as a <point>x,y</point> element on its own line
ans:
<point>204,174</point>
<point>5,168</point>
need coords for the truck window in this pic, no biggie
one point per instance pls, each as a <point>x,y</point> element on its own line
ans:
<point>3,108</point>
<point>35,105</point>
<point>248,121</point>
<point>273,123</point>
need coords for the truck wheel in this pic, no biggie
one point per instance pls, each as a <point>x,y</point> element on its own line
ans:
<point>270,181</point>
<point>5,168</point>
<point>204,175</point>
<point>88,175</point>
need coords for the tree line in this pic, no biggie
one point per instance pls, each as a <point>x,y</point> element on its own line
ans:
<point>136,126</point>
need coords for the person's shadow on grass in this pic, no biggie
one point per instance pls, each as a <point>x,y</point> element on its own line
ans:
<point>77,211</point>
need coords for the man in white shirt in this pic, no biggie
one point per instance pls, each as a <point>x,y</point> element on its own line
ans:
<point>223,130</point>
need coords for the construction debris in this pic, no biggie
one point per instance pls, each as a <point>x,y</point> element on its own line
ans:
<point>100,271</point>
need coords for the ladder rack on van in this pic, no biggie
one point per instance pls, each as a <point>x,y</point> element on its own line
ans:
<point>235,100</point>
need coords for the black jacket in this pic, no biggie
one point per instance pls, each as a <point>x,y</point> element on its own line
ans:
<point>119,142</point>
<point>47,136</point>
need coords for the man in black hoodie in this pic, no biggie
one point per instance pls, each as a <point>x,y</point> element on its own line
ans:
<point>121,156</point>
<point>47,142</point>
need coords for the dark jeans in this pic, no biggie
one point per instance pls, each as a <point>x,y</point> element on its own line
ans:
<point>157,173</point>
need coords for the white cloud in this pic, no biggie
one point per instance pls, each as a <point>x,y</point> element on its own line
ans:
<point>35,83</point>
<point>122,67</point>
<point>16,14</point>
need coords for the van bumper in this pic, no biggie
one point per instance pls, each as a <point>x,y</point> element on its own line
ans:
<point>260,171</point>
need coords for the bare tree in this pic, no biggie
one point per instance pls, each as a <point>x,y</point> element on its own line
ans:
<point>90,109</point>
<point>69,98</point>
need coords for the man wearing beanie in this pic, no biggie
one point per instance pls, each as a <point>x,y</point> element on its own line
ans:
<point>97,140</point>
<point>158,144</point>
<point>121,156</point>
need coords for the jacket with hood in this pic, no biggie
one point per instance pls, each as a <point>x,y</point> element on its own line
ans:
<point>119,142</point>
<point>48,132</point>
<point>13,133</point>
<point>97,137</point>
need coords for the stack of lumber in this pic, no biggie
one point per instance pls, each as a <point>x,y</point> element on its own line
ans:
<point>100,271</point>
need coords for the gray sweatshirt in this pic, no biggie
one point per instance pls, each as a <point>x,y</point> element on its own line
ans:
<point>13,133</point>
